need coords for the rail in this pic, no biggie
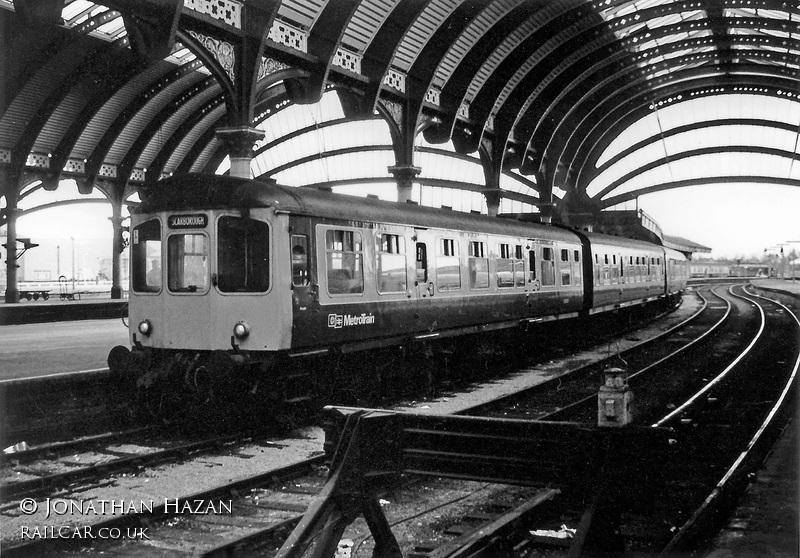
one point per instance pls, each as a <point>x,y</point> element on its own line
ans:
<point>607,466</point>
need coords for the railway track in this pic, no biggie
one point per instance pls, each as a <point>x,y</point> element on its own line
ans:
<point>717,444</point>
<point>256,526</point>
<point>61,468</point>
<point>724,429</point>
<point>147,518</point>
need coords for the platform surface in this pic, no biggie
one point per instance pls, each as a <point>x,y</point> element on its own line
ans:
<point>765,524</point>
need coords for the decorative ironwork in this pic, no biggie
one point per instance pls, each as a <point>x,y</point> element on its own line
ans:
<point>347,60</point>
<point>432,96</point>
<point>463,110</point>
<point>5,155</point>
<point>226,11</point>
<point>270,66</point>
<point>395,80</point>
<point>75,165</point>
<point>222,51</point>
<point>285,34</point>
<point>108,171</point>
<point>138,175</point>
<point>39,160</point>
<point>395,109</point>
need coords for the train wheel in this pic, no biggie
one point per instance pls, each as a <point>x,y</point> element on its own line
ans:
<point>35,296</point>
<point>45,296</point>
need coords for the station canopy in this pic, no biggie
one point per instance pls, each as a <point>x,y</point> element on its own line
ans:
<point>529,104</point>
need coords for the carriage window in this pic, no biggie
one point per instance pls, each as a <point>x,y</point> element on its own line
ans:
<point>448,270</point>
<point>565,268</point>
<point>548,267</point>
<point>505,267</point>
<point>187,263</point>
<point>422,262</point>
<point>242,255</point>
<point>391,263</point>
<point>146,257</point>
<point>510,267</point>
<point>344,253</point>
<point>478,266</point>
<point>299,260</point>
<point>519,267</point>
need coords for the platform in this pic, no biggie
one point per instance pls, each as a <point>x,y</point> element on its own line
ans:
<point>765,524</point>
<point>94,306</point>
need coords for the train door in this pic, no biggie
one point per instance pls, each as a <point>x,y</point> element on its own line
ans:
<point>424,285</point>
<point>546,297</point>
<point>304,284</point>
<point>532,282</point>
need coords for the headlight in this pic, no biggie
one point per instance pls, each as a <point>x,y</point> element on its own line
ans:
<point>145,327</point>
<point>241,330</point>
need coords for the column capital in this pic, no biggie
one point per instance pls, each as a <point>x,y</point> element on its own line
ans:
<point>404,172</point>
<point>240,139</point>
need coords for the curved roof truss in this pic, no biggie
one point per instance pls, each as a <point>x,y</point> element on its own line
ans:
<point>120,93</point>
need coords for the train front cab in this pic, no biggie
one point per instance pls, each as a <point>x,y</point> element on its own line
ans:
<point>202,283</point>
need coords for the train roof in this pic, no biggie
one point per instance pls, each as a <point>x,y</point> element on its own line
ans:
<point>624,242</point>
<point>196,192</point>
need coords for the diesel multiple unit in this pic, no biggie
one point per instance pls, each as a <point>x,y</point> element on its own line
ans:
<point>248,274</point>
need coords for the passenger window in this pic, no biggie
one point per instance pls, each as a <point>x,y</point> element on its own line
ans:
<point>519,267</point>
<point>548,267</point>
<point>187,261</point>
<point>448,270</point>
<point>299,260</point>
<point>146,257</point>
<point>532,264</point>
<point>344,261</point>
<point>564,268</point>
<point>505,268</point>
<point>242,255</point>
<point>391,263</point>
<point>478,266</point>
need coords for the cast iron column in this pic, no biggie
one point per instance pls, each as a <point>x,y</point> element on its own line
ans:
<point>116,253</point>
<point>240,141</point>
<point>405,175</point>
<point>12,292</point>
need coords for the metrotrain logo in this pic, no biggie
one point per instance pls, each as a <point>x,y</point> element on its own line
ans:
<point>338,321</point>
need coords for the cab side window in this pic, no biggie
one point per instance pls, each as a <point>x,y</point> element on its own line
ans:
<point>299,260</point>
<point>146,257</point>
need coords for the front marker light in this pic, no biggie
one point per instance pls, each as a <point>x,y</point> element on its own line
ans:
<point>145,328</point>
<point>241,330</point>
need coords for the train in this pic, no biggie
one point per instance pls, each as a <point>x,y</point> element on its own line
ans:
<point>239,279</point>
